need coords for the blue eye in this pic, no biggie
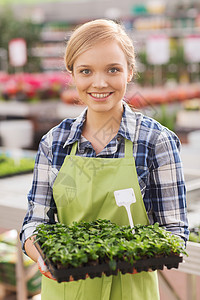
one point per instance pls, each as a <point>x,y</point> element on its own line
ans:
<point>85,71</point>
<point>113,70</point>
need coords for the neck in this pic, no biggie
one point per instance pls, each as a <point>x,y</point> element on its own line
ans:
<point>101,127</point>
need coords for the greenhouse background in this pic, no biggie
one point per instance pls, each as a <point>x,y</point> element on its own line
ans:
<point>36,93</point>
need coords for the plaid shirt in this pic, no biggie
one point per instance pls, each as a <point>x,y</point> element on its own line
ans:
<point>158,165</point>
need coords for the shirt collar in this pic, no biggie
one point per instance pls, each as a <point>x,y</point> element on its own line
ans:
<point>127,126</point>
<point>128,123</point>
<point>76,129</point>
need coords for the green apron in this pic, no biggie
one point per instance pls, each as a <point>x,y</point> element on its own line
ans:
<point>84,190</point>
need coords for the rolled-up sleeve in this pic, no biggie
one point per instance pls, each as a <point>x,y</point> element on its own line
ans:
<point>168,192</point>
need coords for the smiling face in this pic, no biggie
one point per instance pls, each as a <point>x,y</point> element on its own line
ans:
<point>101,75</point>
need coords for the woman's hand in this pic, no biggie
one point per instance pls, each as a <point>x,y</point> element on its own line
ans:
<point>43,268</point>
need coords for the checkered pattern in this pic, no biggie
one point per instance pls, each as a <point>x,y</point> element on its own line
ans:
<point>158,165</point>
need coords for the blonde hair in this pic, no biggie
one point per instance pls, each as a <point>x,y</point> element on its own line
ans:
<point>87,35</point>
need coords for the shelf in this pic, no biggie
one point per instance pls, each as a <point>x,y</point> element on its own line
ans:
<point>138,27</point>
<point>56,110</point>
<point>188,119</point>
<point>52,64</point>
<point>170,32</point>
<point>55,36</point>
<point>13,202</point>
<point>49,50</point>
<point>191,263</point>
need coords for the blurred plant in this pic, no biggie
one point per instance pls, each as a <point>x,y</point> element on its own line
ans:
<point>176,69</point>
<point>166,117</point>
<point>33,87</point>
<point>144,76</point>
<point>177,52</point>
<point>11,27</point>
<point>193,104</point>
<point>195,234</point>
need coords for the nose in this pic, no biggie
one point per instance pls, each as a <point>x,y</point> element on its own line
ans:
<point>99,81</point>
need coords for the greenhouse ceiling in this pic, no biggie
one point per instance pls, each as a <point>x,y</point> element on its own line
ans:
<point>7,2</point>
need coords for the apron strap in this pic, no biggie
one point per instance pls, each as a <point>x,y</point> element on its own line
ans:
<point>128,149</point>
<point>74,148</point>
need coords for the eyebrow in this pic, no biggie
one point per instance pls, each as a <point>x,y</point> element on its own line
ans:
<point>83,66</point>
<point>114,64</point>
<point>109,65</point>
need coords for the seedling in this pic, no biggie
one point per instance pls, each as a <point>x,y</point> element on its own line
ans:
<point>100,246</point>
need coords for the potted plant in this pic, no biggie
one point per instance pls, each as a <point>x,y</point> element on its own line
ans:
<point>91,248</point>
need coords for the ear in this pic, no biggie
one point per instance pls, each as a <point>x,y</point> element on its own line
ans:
<point>130,75</point>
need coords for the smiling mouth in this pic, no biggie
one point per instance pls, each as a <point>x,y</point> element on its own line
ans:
<point>100,95</point>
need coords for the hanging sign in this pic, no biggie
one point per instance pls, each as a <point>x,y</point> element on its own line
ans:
<point>191,46</point>
<point>157,48</point>
<point>17,52</point>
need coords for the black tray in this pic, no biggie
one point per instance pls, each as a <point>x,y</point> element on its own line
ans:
<point>68,274</point>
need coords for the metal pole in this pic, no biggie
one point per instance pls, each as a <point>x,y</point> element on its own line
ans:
<point>20,274</point>
<point>191,287</point>
<point>4,59</point>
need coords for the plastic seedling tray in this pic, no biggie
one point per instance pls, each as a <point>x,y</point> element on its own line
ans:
<point>97,270</point>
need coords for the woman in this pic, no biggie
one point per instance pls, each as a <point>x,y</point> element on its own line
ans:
<point>82,161</point>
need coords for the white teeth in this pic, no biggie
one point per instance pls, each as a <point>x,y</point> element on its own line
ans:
<point>100,95</point>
